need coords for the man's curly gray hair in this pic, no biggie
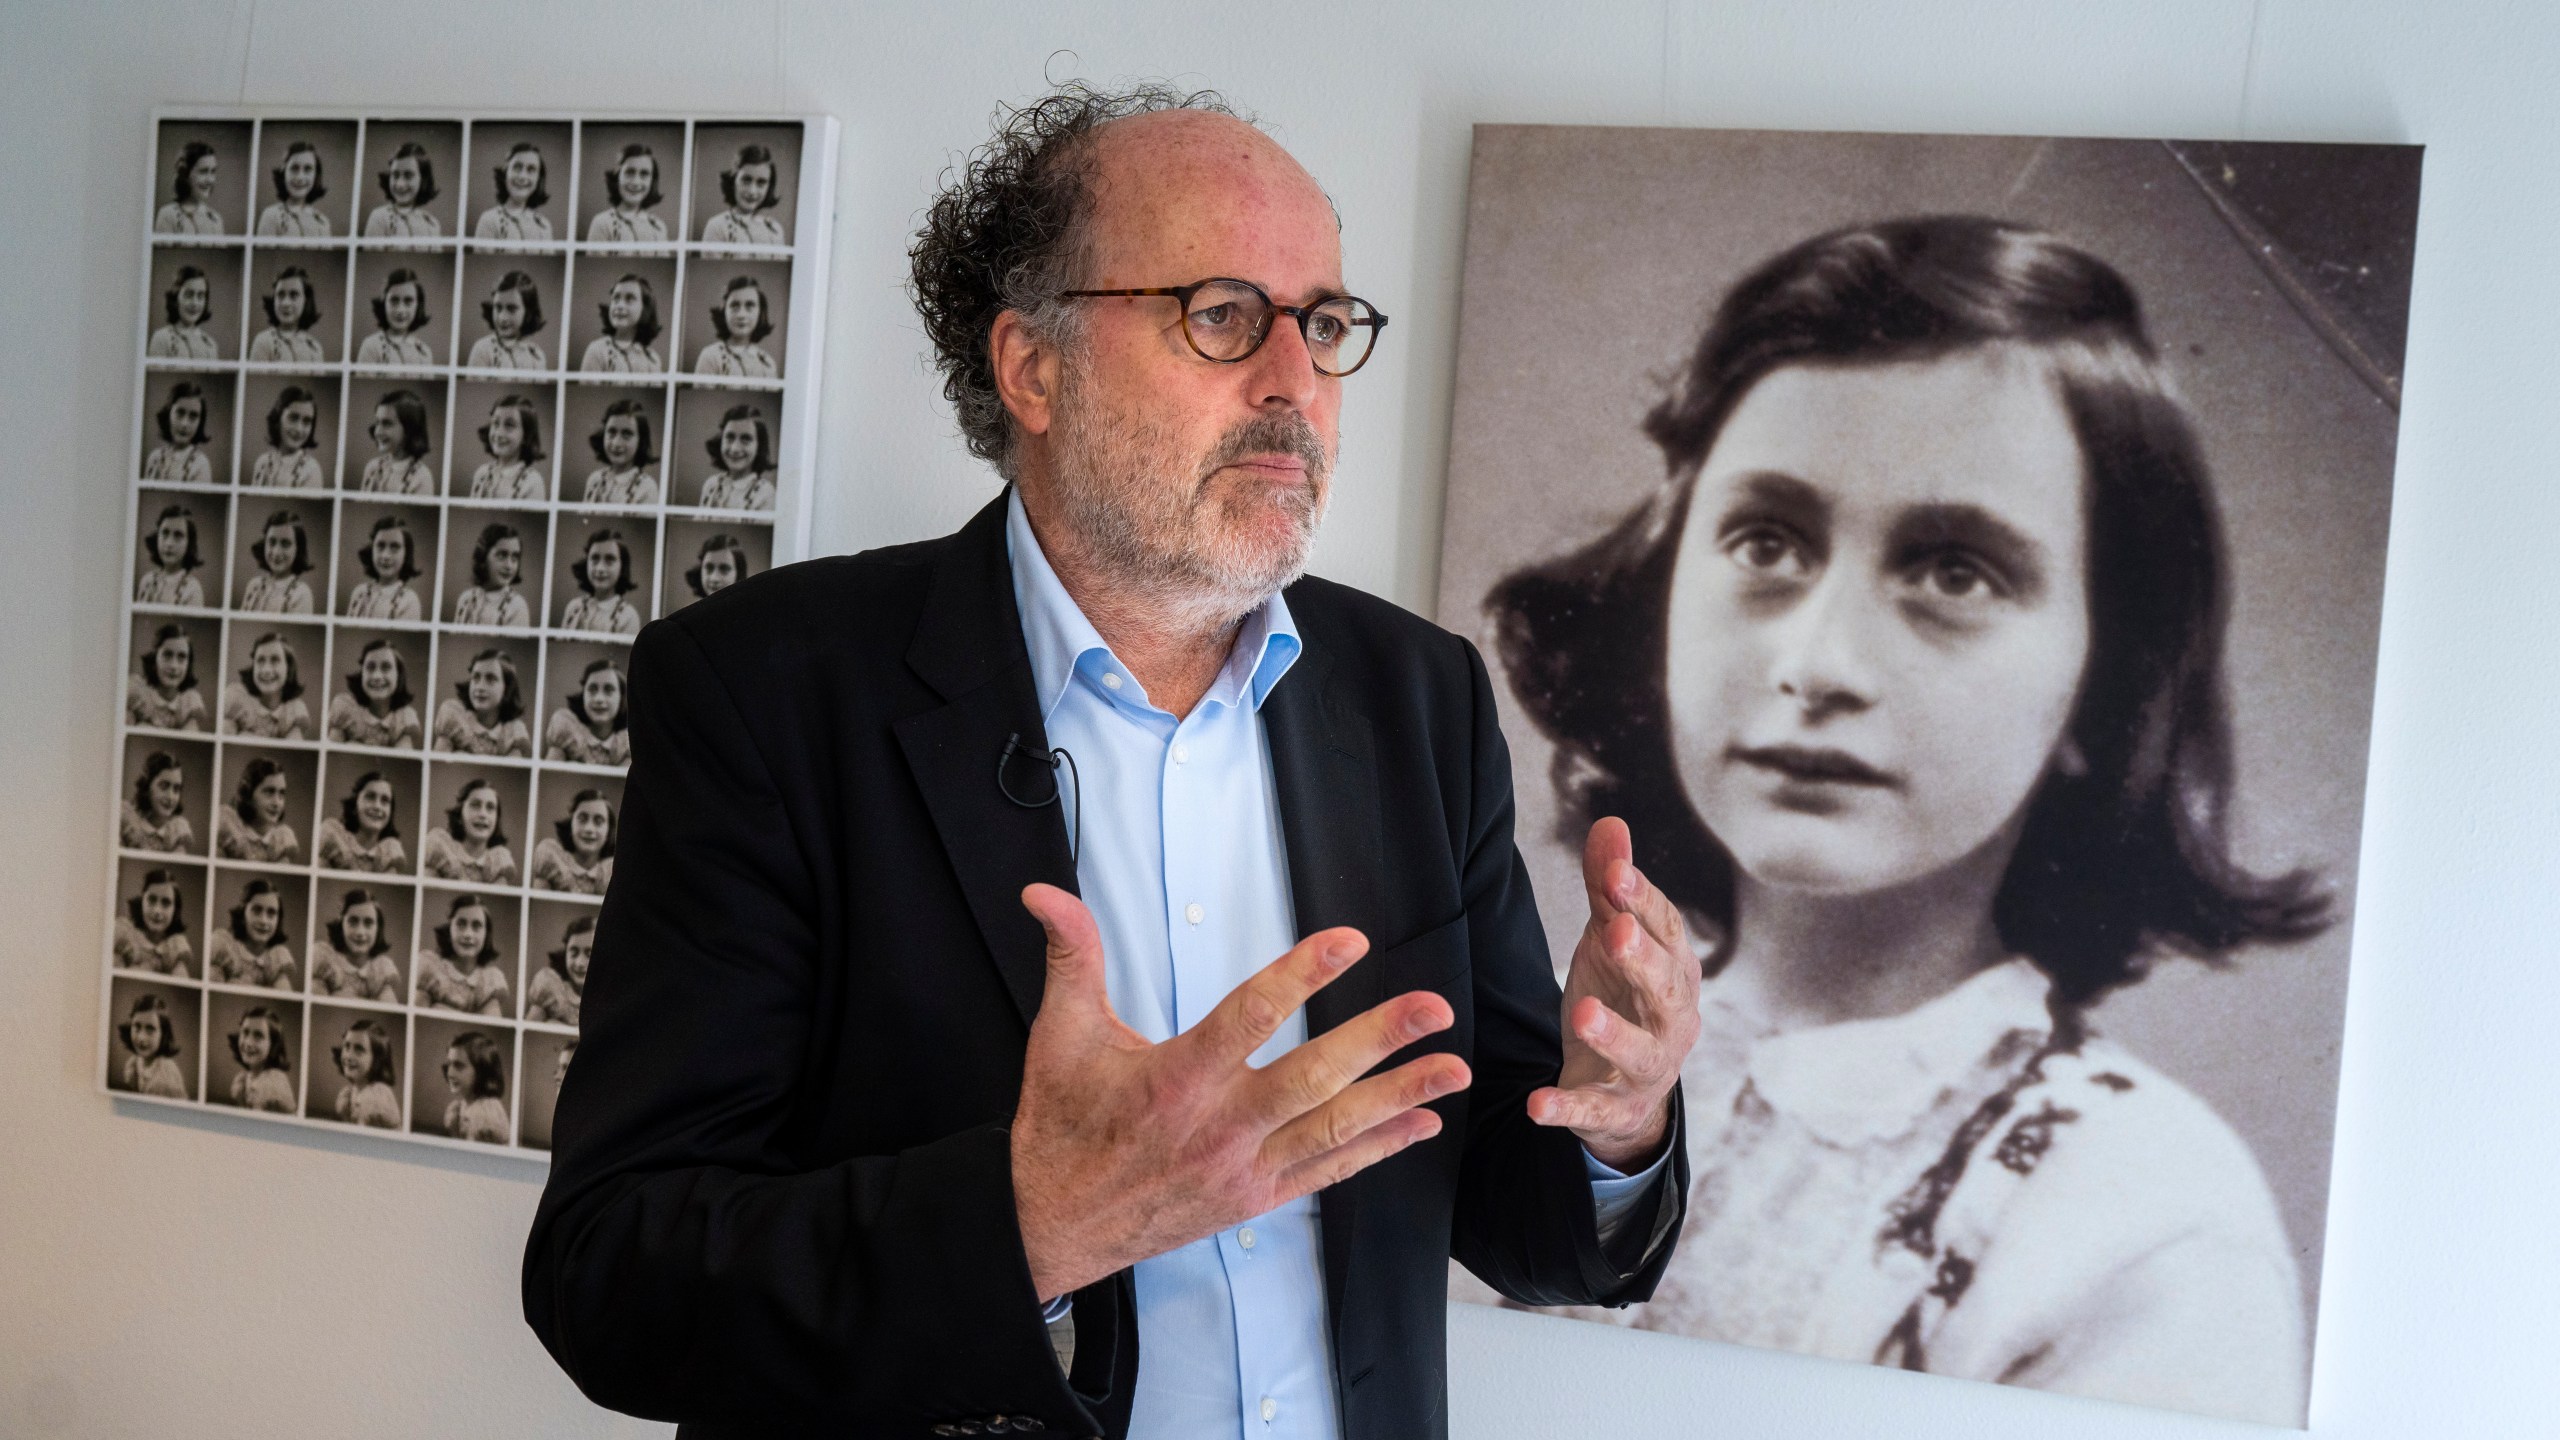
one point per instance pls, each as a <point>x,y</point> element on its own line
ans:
<point>1010,231</point>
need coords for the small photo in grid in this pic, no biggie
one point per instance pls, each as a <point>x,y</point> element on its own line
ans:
<point>493,569</point>
<point>370,810</point>
<point>153,1027</point>
<point>466,957</point>
<point>413,180</point>
<point>403,309</point>
<point>253,1055</point>
<point>263,805</point>
<point>386,561</point>
<point>614,439</point>
<point>178,547</point>
<point>560,939</point>
<point>255,931</point>
<point>395,435</point>
<point>502,440</point>
<point>186,427</point>
<point>547,1055</point>
<point>511,309</point>
<point>485,695</point>
<point>604,573</point>
<point>284,549</point>
<point>202,184</point>
<point>377,689</point>
<point>622,316</point>
<point>273,674</point>
<point>298,310</point>
<point>745,178</point>
<point>518,173</point>
<point>589,694</point>
<point>360,938</point>
<point>195,294</point>
<point>473,831</point>
<point>577,819</point>
<point>723,451</point>
<point>166,807</point>
<point>159,919</point>
<point>306,180</point>
<point>292,438</point>
<point>462,1084</point>
<point>705,557</point>
<point>358,1065</point>
<point>631,191</point>
<point>173,680</point>
<point>741,317</point>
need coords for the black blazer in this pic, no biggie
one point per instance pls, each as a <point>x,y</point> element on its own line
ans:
<point>780,1201</point>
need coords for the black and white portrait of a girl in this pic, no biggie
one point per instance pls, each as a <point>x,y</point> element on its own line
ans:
<point>740,450</point>
<point>715,554</point>
<point>265,805</point>
<point>624,444</point>
<point>476,819</point>
<point>305,165</point>
<point>254,1058</point>
<point>488,585</point>
<point>361,822</point>
<point>628,322</point>
<point>374,701</point>
<point>515,166</point>
<point>256,919</point>
<point>512,438</point>
<point>411,185</point>
<point>406,303</point>
<point>591,724</point>
<point>576,858</point>
<point>513,313</point>
<point>742,318</point>
<point>155,929</point>
<point>152,1034</point>
<point>295,305</point>
<point>363,930</point>
<point>564,937</point>
<point>299,429</point>
<point>467,1100</point>
<point>198,291</point>
<point>1906,646</point>
<point>201,188</point>
<point>606,581</point>
<point>466,960</point>
<point>383,562</point>
<point>485,710</point>
<point>189,440</point>
<point>364,1060</point>
<point>402,422</point>
<point>632,174</point>
<point>743,178</point>
<point>263,696</point>
<point>164,689</point>
<point>167,792</point>
<point>173,546</point>
<point>289,541</point>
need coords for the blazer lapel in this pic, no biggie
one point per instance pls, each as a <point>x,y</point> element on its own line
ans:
<point>968,647</point>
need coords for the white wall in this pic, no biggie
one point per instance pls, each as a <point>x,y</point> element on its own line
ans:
<point>165,1276</point>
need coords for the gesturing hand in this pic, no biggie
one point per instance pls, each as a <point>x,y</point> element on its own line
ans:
<point>1630,1010</point>
<point>1124,1149</point>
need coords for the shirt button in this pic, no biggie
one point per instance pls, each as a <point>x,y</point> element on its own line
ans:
<point>1244,1237</point>
<point>1110,679</point>
<point>1270,1409</point>
<point>1194,913</point>
<point>1181,755</point>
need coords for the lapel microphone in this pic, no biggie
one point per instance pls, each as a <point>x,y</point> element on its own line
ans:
<point>1013,746</point>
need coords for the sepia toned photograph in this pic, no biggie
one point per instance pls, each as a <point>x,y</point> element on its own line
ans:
<point>377,695</point>
<point>477,823</point>
<point>741,318</point>
<point>705,557</point>
<point>166,807</point>
<point>588,704</point>
<point>413,182</point>
<point>386,560</point>
<point>253,1058</point>
<point>395,435</point>
<point>198,314</point>
<point>616,445</point>
<point>273,678</point>
<point>401,311</point>
<point>746,179</point>
<point>265,804</point>
<point>1958,560</point>
<point>201,185</point>
<point>463,1086</point>
<point>578,819</point>
<point>361,937</point>
<point>292,438</point>
<point>370,810</point>
<point>518,179</point>
<point>559,943</point>
<point>493,569</point>
<point>177,537</point>
<point>284,546</point>
<point>305,181</point>
<point>547,1054</point>
<point>257,928</point>
<point>174,683</point>
<point>466,957</point>
<point>298,312</point>
<point>484,696</point>
<point>633,192</point>
<point>359,1071</point>
<point>604,573</point>
<point>503,433</point>
<point>622,315</point>
<point>152,1033</point>
<point>186,428</point>
<point>159,922</point>
<point>723,452</point>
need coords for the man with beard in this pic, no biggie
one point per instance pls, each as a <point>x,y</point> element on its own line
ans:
<point>938,1077</point>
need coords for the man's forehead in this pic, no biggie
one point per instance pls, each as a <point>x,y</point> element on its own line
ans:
<point>1188,189</point>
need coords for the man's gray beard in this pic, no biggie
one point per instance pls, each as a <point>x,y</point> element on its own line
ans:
<point>1150,538</point>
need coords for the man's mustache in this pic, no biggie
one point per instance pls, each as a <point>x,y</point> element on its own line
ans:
<point>1291,434</point>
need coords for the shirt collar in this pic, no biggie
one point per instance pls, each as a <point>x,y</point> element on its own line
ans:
<point>1062,641</point>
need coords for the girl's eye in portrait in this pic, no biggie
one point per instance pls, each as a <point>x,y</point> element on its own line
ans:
<point>262,915</point>
<point>169,542</point>
<point>159,906</point>
<point>194,298</point>
<point>621,439</point>
<point>269,798</point>
<point>168,792</point>
<point>381,670</point>
<point>170,662</point>
<point>404,180</point>
<point>602,695</point>
<point>374,805</point>
<point>269,664</point>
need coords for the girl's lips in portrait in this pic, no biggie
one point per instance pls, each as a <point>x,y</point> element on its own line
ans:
<point>1809,765</point>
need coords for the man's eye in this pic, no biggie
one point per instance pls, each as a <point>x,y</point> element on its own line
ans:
<point>1326,329</point>
<point>1214,316</point>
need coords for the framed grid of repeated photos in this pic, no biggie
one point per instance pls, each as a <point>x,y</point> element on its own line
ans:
<point>433,412</point>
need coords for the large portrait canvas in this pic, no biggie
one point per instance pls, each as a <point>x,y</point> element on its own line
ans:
<point>1959,560</point>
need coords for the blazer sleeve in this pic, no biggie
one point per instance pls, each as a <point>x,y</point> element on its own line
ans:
<point>1524,1222</point>
<point>684,1264</point>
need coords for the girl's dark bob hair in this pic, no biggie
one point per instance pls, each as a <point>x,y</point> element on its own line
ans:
<point>301,540</point>
<point>310,315</point>
<point>244,797</point>
<point>510,693</point>
<point>764,437</point>
<point>646,328</point>
<point>188,155</point>
<point>156,764</point>
<point>488,953</point>
<point>254,890</point>
<point>178,282</point>
<point>559,959</point>
<point>347,817</point>
<point>185,390</point>
<point>729,545</point>
<point>411,411</point>
<point>529,448</point>
<point>408,550</point>
<point>401,697</point>
<point>393,281</point>
<point>286,399</point>
<point>492,535</point>
<point>613,177</point>
<point>349,901</point>
<point>623,584</point>
<point>319,174</point>
<point>541,195</point>
<point>178,902</point>
<point>292,667</point>
<point>647,454</point>
<point>764,310</point>
<point>381,1070</point>
<point>194,558</point>
<point>612,822</point>
<point>488,1065</point>
<point>524,286</point>
<point>577,702</point>
<point>162,636</point>
<point>453,827</point>
<point>751,155</point>
<point>278,1056</point>
<point>426,174</point>
<point>2128,860</point>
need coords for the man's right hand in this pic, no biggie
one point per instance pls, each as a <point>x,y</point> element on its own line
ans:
<point>1124,1149</point>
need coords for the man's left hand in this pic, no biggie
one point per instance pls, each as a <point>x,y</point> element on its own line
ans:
<point>1630,1011</point>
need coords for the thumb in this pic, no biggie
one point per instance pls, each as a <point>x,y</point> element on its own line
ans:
<point>1075,950</point>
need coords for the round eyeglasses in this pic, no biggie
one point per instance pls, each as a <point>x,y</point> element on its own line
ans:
<point>1226,320</point>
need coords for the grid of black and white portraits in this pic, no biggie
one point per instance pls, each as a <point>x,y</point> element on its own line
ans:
<point>434,415</point>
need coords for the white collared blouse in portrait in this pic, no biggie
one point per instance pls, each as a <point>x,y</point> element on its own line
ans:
<point>509,480</point>
<point>168,587</point>
<point>243,713</point>
<point>605,353</point>
<point>192,217</point>
<point>374,1104</point>
<point>491,352</point>
<point>730,227</point>
<point>265,594</point>
<point>503,222</point>
<point>263,1090</point>
<point>182,342</point>
<point>178,464</point>
<point>159,1076</point>
<point>383,600</point>
<point>445,858</point>
<point>615,227</point>
<point>145,705</point>
<point>234,840</point>
<point>566,737</point>
<point>393,221</point>
<point>752,490</point>
<point>484,1119</point>
<point>459,731</point>
<point>135,831</point>
<point>333,973</point>
<point>169,955</point>
<point>384,348</point>
<point>287,470</point>
<point>343,849</point>
<point>273,346</point>
<point>352,724</point>
<point>555,867</point>
<point>620,485</point>
<point>397,475</point>
<point>736,357</point>
<point>229,960</point>
<point>294,220</point>
<point>498,607</point>
<point>609,615</point>
<point>447,986</point>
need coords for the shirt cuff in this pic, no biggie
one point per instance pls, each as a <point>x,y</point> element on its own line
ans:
<point>1615,1196</point>
<point>1056,1310</point>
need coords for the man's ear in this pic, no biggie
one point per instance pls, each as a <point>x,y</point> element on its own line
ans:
<point>1026,372</point>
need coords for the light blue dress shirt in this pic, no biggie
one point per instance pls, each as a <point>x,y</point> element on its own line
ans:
<point>1181,861</point>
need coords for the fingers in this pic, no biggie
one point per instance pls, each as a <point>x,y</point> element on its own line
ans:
<point>1614,885</point>
<point>1364,1107</point>
<point>1584,1110</point>
<point>1608,842</point>
<point>1253,1012</point>
<point>1636,1051</point>
<point>1373,1145</point>
<point>1076,977</point>
<point>1325,1066</point>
